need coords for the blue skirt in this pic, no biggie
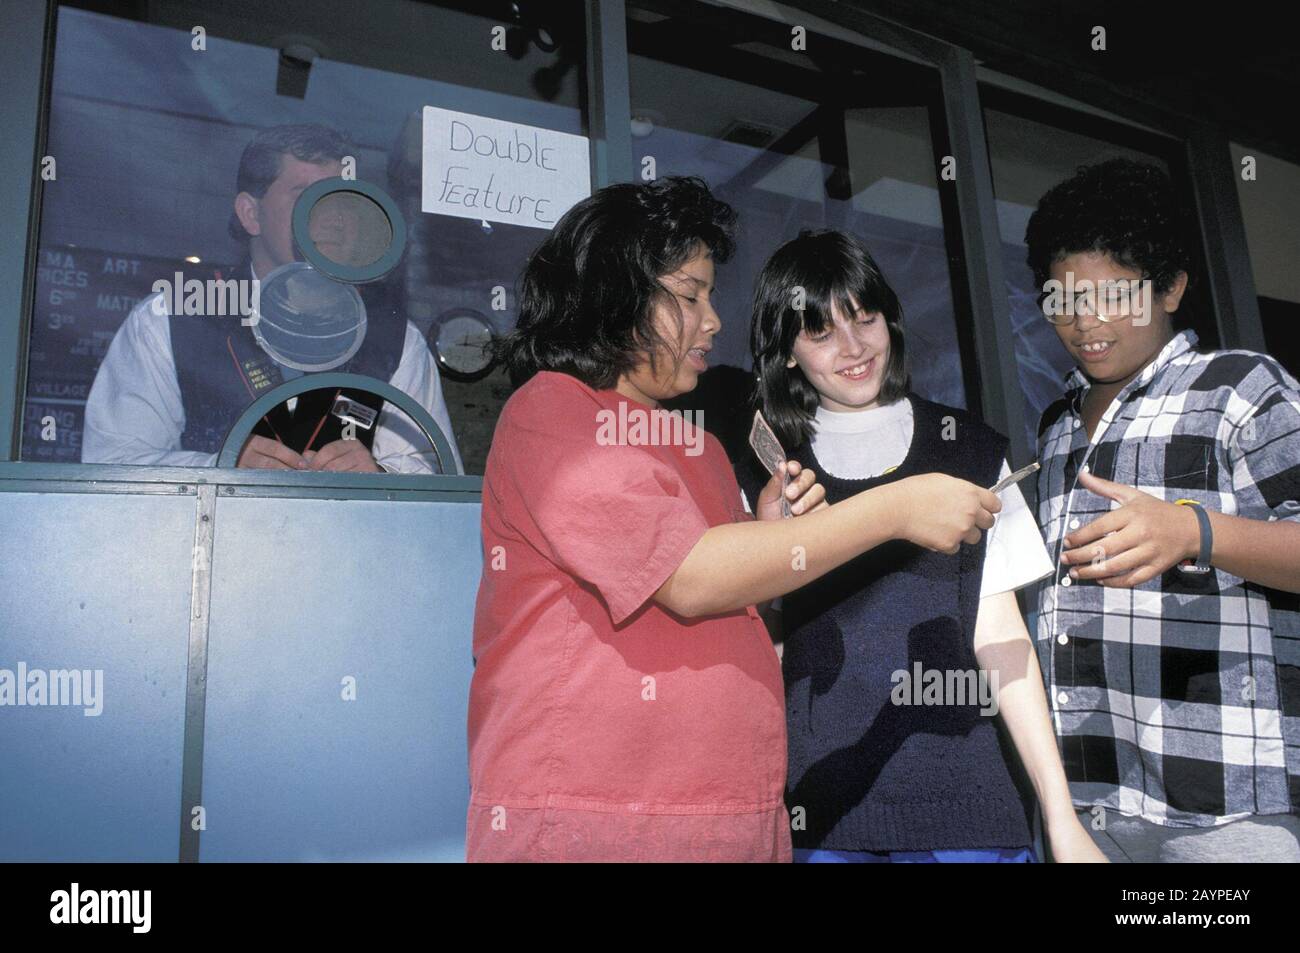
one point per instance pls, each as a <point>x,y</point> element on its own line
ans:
<point>996,855</point>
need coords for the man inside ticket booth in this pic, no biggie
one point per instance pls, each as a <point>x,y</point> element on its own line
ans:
<point>172,385</point>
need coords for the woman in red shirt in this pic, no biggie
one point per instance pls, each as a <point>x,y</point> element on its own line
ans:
<point>627,702</point>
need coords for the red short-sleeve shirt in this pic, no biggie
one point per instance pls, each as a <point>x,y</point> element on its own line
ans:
<point>601,726</point>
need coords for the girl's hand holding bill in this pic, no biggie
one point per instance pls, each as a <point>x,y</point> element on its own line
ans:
<point>803,492</point>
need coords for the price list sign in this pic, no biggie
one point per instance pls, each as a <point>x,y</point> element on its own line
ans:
<point>82,298</point>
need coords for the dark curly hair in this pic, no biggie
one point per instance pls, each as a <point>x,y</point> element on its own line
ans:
<point>587,297</point>
<point>832,268</point>
<point>1126,209</point>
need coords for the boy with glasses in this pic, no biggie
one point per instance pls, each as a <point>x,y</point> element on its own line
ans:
<point>1169,634</point>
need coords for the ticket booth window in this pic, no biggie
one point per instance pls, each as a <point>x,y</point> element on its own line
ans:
<point>151,115</point>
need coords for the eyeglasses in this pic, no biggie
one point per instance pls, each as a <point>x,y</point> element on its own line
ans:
<point>1106,301</point>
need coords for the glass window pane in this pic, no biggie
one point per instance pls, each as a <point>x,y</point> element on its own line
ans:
<point>839,137</point>
<point>160,188</point>
<point>1028,157</point>
<point>1270,207</point>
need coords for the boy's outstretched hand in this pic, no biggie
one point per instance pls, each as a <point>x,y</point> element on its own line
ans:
<point>1133,544</point>
<point>804,493</point>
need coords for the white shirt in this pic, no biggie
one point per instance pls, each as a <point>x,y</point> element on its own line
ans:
<point>135,415</point>
<point>865,443</point>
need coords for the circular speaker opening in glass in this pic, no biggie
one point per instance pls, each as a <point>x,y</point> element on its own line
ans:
<point>308,321</point>
<point>349,229</point>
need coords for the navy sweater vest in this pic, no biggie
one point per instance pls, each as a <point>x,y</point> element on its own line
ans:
<point>867,774</point>
<point>221,370</point>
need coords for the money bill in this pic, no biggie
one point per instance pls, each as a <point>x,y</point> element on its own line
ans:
<point>768,450</point>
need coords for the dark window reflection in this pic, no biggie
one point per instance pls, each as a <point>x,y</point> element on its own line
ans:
<point>1028,157</point>
<point>837,136</point>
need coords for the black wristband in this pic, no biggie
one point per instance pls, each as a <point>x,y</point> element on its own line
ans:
<point>1207,537</point>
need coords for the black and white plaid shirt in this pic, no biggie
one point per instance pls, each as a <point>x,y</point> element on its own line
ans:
<point>1178,700</point>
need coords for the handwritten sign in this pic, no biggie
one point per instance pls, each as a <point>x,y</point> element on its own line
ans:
<point>481,168</point>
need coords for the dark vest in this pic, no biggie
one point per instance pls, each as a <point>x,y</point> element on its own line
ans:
<point>221,370</point>
<point>869,774</point>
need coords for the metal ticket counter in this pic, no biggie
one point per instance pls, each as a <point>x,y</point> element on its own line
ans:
<point>277,677</point>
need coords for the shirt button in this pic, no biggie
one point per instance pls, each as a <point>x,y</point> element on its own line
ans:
<point>1074,523</point>
<point>1063,638</point>
<point>1062,698</point>
<point>1066,580</point>
<point>1084,468</point>
<point>1074,422</point>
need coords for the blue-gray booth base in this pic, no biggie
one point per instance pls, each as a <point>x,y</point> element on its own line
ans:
<point>308,598</point>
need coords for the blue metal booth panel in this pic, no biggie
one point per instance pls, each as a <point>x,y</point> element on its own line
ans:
<point>315,602</point>
<point>95,582</point>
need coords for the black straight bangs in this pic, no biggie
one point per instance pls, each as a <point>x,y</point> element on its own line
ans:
<point>823,292</point>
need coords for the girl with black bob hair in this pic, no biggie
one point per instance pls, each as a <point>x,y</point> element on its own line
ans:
<point>893,660</point>
<point>627,700</point>
<point>833,270</point>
